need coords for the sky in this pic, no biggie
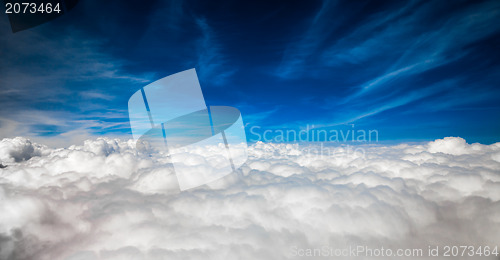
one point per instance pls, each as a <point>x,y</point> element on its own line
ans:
<point>413,71</point>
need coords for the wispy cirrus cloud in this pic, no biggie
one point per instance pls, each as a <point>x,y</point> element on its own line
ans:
<point>63,87</point>
<point>298,54</point>
<point>389,51</point>
<point>434,48</point>
<point>212,63</point>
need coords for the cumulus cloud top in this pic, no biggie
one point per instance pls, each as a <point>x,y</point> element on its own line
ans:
<point>18,149</point>
<point>106,200</point>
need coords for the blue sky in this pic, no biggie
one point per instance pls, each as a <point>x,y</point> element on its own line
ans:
<point>414,71</point>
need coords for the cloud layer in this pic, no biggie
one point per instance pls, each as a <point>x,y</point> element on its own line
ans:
<point>106,200</point>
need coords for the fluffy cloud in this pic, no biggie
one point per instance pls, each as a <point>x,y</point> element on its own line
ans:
<point>106,200</point>
<point>18,149</point>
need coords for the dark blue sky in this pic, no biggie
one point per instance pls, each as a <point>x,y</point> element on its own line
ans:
<point>416,70</point>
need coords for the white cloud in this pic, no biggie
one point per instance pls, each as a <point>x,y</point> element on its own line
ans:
<point>18,149</point>
<point>105,200</point>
